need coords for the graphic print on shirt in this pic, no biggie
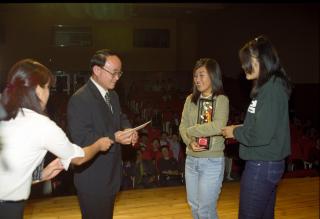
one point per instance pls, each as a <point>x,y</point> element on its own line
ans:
<point>252,106</point>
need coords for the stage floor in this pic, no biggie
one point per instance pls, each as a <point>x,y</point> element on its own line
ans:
<point>298,198</point>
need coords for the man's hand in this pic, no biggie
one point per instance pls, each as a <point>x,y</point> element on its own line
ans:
<point>124,137</point>
<point>104,143</point>
<point>135,137</point>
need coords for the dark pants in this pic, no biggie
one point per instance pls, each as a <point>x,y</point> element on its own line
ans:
<point>96,206</point>
<point>258,189</point>
<point>11,210</point>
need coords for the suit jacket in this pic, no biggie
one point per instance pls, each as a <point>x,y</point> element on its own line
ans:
<point>90,118</point>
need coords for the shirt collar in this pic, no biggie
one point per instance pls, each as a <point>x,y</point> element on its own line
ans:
<point>102,91</point>
<point>207,97</point>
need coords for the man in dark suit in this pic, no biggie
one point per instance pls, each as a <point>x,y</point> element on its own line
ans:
<point>93,112</point>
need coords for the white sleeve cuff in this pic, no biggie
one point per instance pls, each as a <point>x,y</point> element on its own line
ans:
<point>78,152</point>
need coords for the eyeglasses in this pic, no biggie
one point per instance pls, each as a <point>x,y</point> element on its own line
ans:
<point>113,74</point>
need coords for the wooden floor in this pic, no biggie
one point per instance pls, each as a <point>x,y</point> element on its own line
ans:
<point>298,198</point>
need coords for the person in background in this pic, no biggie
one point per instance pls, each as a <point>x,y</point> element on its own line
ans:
<point>265,135</point>
<point>154,148</point>
<point>142,145</point>
<point>164,138</point>
<point>204,166</point>
<point>174,142</point>
<point>168,170</point>
<point>144,173</point>
<point>27,134</point>
<point>94,111</point>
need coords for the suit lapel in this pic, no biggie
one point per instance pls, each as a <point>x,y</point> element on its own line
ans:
<point>115,107</point>
<point>101,102</point>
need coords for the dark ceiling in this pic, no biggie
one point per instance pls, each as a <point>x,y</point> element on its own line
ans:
<point>120,10</point>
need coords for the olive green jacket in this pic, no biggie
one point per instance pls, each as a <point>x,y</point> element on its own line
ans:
<point>189,129</point>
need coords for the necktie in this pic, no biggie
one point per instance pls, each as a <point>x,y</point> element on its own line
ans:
<point>107,98</point>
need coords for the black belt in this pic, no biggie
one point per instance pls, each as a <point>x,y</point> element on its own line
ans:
<point>5,201</point>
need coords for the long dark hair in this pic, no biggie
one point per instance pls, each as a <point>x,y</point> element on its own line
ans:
<point>214,72</point>
<point>262,49</point>
<point>20,90</point>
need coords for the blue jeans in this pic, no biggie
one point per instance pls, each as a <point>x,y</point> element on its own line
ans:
<point>203,181</point>
<point>258,189</point>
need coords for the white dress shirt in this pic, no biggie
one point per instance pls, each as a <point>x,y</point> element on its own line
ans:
<point>25,141</point>
<point>102,91</point>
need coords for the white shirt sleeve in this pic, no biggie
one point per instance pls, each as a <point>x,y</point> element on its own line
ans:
<point>55,140</point>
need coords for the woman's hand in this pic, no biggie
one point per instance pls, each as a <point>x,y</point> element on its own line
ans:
<point>227,131</point>
<point>196,147</point>
<point>52,170</point>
